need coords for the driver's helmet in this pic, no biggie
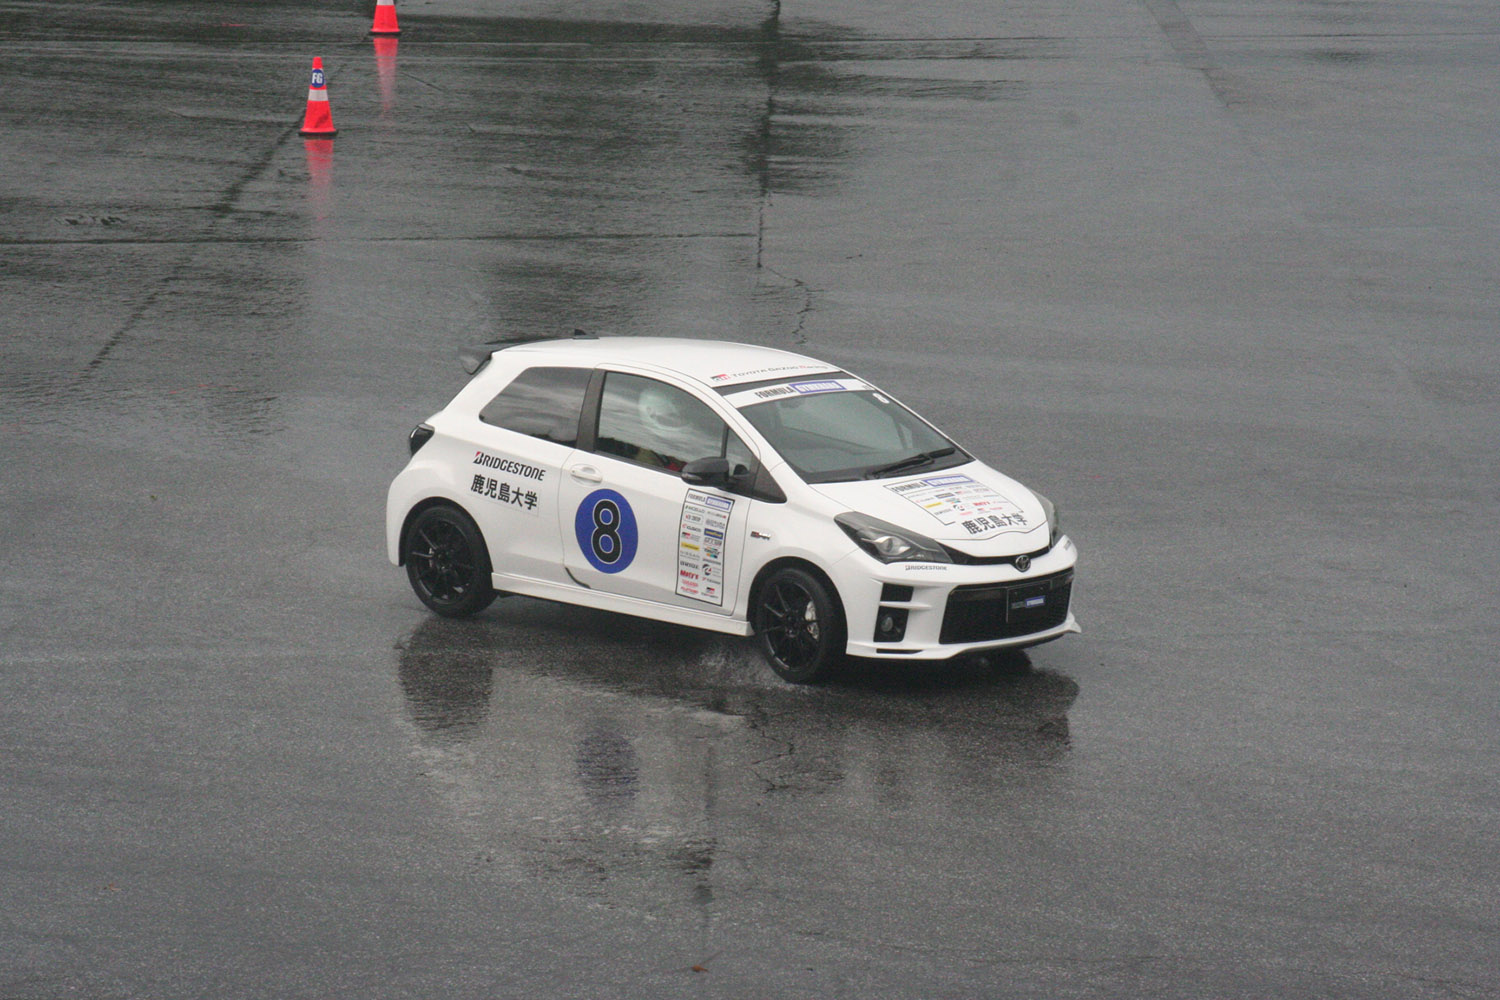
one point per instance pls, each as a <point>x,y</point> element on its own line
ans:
<point>663,412</point>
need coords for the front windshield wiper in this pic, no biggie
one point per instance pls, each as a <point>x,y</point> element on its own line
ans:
<point>914,462</point>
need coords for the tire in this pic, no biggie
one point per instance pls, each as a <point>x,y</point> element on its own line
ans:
<point>800,625</point>
<point>447,563</point>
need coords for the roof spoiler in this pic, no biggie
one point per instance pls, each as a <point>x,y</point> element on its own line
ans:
<point>476,357</point>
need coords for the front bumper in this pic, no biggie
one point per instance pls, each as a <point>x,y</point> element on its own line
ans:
<point>929,611</point>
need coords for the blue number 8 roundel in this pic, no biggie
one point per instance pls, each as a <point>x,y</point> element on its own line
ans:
<point>606,531</point>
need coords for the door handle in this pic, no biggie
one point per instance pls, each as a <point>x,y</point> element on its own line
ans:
<point>586,474</point>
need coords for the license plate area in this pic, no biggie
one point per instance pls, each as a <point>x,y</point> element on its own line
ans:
<point>1027,603</point>
<point>986,612</point>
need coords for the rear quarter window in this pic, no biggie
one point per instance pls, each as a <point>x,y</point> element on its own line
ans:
<point>541,403</point>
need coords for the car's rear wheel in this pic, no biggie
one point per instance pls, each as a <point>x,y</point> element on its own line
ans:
<point>800,625</point>
<point>447,563</point>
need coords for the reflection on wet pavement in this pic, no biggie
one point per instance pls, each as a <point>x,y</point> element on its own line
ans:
<point>639,756</point>
<point>385,70</point>
<point>319,177</point>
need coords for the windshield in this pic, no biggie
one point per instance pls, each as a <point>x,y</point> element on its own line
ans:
<point>837,436</point>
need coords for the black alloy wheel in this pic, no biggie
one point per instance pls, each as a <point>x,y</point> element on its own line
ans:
<point>447,563</point>
<point>800,625</point>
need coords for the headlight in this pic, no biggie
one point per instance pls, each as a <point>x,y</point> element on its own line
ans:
<point>1050,509</point>
<point>889,543</point>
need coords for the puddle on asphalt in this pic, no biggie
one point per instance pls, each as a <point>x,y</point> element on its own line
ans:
<point>1339,57</point>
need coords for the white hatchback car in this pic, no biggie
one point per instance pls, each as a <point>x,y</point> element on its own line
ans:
<point>741,489</point>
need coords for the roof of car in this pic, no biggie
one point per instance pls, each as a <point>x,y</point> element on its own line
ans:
<point>713,363</point>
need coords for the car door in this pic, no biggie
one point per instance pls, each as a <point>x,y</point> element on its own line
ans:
<point>630,525</point>
<point>521,440</point>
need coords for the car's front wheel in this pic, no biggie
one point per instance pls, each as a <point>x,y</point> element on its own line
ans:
<point>447,563</point>
<point>800,625</point>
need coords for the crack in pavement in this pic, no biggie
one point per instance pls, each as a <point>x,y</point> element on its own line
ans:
<point>1191,49</point>
<point>222,209</point>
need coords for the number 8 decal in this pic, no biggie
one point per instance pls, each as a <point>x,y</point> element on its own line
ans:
<point>606,531</point>
<point>605,541</point>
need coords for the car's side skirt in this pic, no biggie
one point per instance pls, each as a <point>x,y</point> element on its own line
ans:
<point>550,591</point>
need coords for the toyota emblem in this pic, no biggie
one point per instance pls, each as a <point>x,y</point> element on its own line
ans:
<point>1023,563</point>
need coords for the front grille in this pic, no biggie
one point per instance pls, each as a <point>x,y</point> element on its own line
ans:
<point>964,559</point>
<point>986,611</point>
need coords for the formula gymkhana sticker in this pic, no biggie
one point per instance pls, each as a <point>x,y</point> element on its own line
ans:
<point>975,507</point>
<point>700,546</point>
<point>813,387</point>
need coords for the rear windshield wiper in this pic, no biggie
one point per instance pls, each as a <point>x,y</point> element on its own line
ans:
<point>914,462</point>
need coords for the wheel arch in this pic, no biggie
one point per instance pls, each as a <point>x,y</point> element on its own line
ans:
<point>427,504</point>
<point>784,562</point>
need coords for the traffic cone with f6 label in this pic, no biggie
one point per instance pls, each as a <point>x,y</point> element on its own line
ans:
<point>385,18</point>
<point>318,123</point>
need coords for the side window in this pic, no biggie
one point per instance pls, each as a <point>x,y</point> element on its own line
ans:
<point>652,423</point>
<point>741,460</point>
<point>541,402</point>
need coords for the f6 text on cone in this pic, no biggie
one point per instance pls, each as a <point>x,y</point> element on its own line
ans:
<point>318,122</point>
<point>385,18</point>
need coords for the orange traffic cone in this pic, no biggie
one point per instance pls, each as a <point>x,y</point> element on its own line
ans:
<point>318,122</point>
<point>385,18</point>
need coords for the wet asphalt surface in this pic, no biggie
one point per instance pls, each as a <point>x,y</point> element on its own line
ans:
<point>1216,276</point>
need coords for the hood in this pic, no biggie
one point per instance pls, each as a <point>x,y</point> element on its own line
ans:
<point>971,508</point>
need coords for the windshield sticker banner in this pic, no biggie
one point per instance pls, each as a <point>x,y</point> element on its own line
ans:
<point>750,397</point>
<point>729,378</point>
<point>959,500</point>
<point>700,546</point>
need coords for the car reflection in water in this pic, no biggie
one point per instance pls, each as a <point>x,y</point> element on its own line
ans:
<point>612,755</point>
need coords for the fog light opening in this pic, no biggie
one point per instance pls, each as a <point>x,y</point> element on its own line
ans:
<point>890,624</point>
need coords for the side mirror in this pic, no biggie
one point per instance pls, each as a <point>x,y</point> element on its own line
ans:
<point>707,472</point>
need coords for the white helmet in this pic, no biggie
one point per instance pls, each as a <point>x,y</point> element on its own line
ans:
<point>662,411</point>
